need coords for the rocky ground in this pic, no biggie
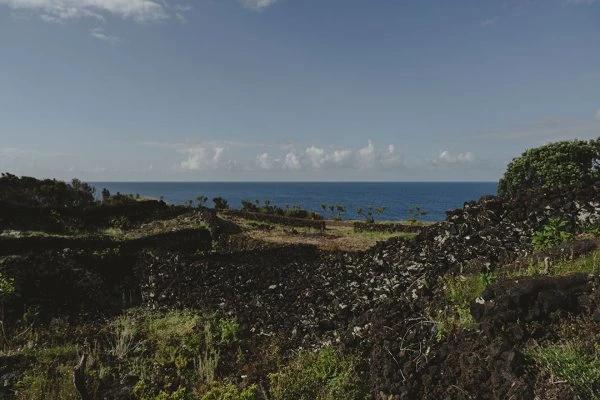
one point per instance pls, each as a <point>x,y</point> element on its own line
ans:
<point>467,309</point>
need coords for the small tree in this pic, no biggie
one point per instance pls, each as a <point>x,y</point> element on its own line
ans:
<point>201,200</point>
<point>221,203</point>
<point>551,165</point>
<point>341,209</point>
<point>105,195</point>
<point>415,214</point>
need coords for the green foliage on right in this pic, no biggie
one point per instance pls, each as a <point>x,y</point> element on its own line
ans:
<point>552,234</point>
<point>552,165</point>
<point>325,375</point>
<point>567,363</point>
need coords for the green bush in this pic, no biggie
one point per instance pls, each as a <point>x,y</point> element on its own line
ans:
<point>325,375</point>
<point>552,165</point>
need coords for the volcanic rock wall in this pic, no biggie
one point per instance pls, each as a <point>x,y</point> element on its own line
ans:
<point>386,228</point>
<point>280,219</point>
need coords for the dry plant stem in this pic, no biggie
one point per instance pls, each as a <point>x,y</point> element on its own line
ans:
<point>79,378</point>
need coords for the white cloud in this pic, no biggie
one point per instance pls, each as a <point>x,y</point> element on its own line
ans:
<point>445,157</point>
<point>597,115</point>
<point>366,156</point>
<point>211,155</point>
<point>291,162</point>
<point>265,162</point>
<point>257,4</point>
<point>63,10</point>
<point>99,34</point>
<point>181,11</point>
<point>204,158</point>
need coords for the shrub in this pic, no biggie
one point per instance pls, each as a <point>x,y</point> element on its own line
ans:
<point>229,330</point>
<point>552,234</point>
<point>555,164</point>
<point>221,203</point>
<point>325,375</point>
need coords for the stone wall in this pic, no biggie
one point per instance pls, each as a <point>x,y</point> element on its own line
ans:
<point>181,240</point>
<point>280,219</point>
<point>386,228</point>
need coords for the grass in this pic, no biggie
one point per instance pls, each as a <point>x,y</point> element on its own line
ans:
<point>567,363</point>
<point>179,355</point>
<point>337,237</point>
<point>186,221</point>
<point>458,292</point>
<point>587,264</point>
<point>325,375</point>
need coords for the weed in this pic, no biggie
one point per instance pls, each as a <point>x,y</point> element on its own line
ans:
<point>325,375</point>
<point>229,329</point>
<point>126,328</point>
<point>206,362</point>
<point>552,234</point>
<point>462,290</point>
<point>452,319</point>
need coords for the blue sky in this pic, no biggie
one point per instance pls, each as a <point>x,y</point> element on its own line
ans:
<point>427,90</point>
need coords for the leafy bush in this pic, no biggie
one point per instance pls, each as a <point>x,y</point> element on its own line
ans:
<point>552,165</point>
<point>552,234</point>
<point>326,375</point>
<point>221,203</point>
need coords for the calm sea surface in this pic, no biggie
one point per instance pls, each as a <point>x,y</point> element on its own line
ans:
<point>397,197</point>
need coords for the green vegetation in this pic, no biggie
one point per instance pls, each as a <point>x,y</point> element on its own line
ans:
<point>568,363</point>
<point>416,213</point>
<point>552,165</point>
<point>553,233</point>
<point>325,375</point>
<point>31,192</point>
<point>51,376</point>
<point>228,391</point>
<point>175,355</point>
<point>587,264</point>
<point>221,203</point>
<point>294,211</point>
<point>369,211</point>
<point>459,292</point>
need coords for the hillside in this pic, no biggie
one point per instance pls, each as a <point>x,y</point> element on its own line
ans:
<point>168,302</point>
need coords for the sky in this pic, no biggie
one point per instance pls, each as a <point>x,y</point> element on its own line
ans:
<point>292,90</point>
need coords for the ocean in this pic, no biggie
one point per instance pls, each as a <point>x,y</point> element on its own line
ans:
<point>397,197</point>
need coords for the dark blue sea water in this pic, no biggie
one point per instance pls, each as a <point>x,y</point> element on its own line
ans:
<point>397,197</point>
